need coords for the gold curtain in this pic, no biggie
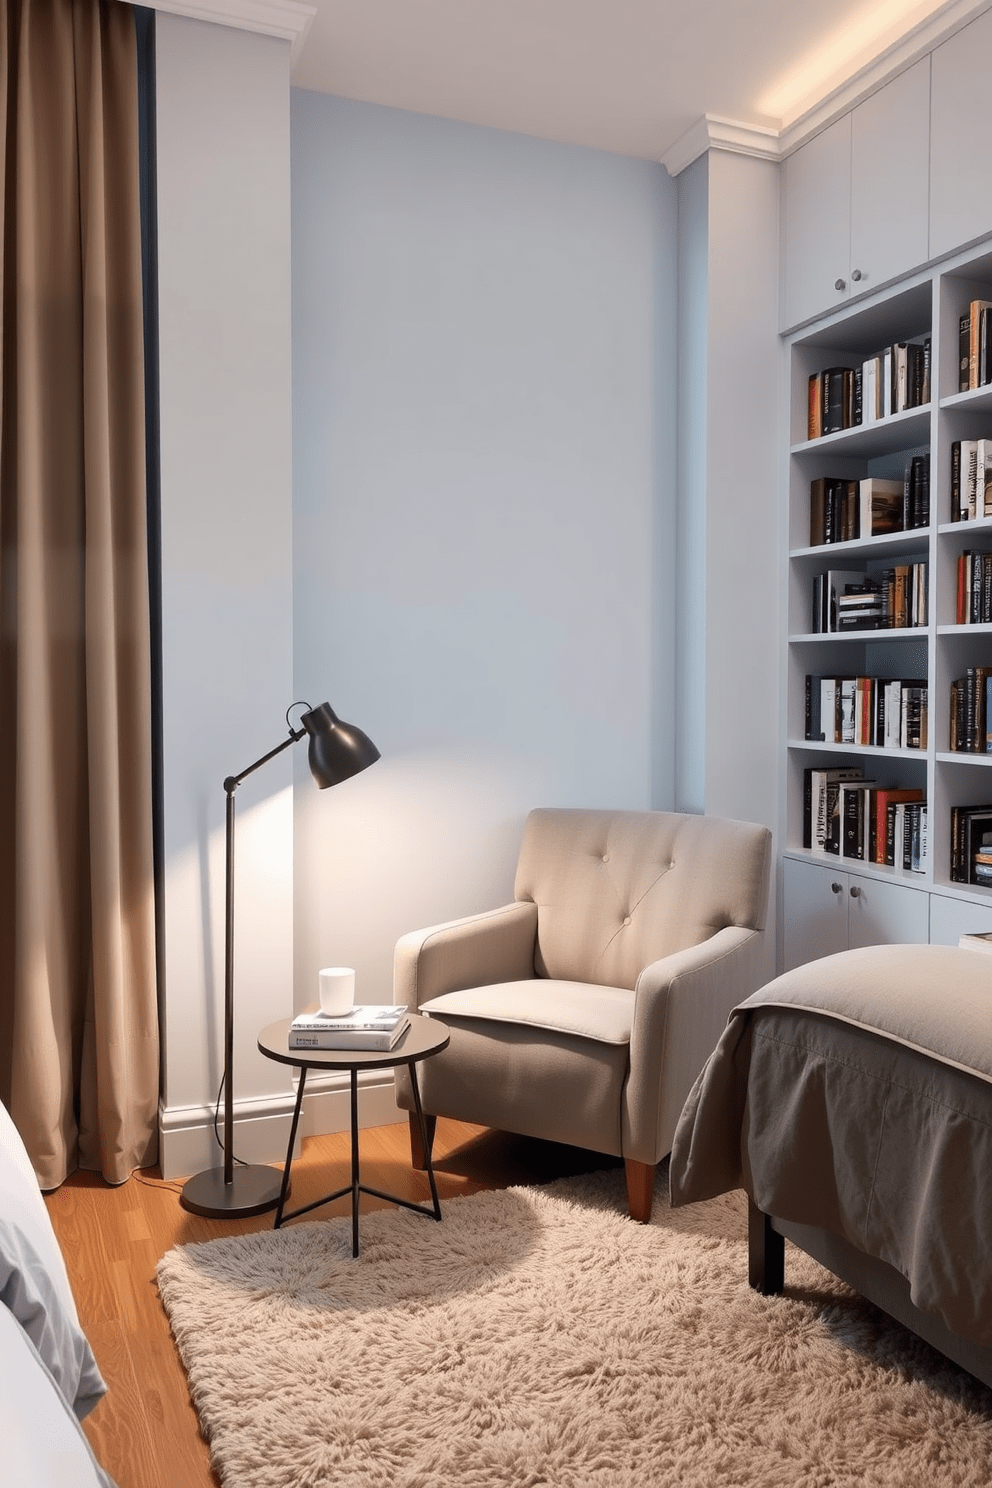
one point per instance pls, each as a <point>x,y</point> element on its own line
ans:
<point>78,1004</point>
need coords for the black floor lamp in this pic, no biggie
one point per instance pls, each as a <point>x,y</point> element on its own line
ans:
<point>337,751</point>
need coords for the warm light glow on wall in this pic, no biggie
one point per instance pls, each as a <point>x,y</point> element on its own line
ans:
<point>842,54</point>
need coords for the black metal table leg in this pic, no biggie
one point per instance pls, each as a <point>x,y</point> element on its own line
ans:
<point>355,1184</point>
<point>428,1164</point>
<point>284,1190</point>
<point>424,1038</point>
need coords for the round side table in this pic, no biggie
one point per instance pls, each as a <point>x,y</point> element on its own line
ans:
<point>424,1037</point>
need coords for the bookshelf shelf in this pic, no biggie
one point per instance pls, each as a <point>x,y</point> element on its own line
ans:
<point>821,746</point>
<point>926,658</point>
<point>882,546</point>
<point>851,638</point>
<point>898,431</point>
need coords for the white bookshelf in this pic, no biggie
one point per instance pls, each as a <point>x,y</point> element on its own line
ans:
<point>831,902</point>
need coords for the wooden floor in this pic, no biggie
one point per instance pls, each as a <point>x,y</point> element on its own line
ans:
<point>145,1431</point>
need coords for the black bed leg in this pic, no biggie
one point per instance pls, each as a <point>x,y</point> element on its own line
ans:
<point>765,1253</point>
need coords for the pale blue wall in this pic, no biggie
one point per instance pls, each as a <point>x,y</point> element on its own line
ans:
<point>484,433</point>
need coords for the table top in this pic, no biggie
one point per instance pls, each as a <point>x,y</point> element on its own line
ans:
<point>425,1036</point>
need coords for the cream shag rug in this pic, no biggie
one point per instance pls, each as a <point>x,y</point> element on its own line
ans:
<point>538,1337</point>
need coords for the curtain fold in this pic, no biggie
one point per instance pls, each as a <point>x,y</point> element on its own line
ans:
<point>79,1053</point>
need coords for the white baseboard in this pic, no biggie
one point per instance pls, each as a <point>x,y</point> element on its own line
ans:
<point>261,1126</point>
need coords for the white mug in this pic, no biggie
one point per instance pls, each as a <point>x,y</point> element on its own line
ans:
<point>337,990</point>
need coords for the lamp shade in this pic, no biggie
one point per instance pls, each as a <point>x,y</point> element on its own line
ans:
<point>337,750</point>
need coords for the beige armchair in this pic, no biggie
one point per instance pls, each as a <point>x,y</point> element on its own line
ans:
<point>583,1012</point>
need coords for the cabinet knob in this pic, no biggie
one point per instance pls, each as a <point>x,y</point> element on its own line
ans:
<point>855,893</point>
<point>836,888</point>
<point>856,275</point>
<point>840,284</point>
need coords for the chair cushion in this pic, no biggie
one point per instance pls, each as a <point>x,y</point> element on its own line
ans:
<point>581,1008</point>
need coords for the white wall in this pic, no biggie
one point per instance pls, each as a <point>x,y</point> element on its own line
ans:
<point>744,464</point>
<point>224,296</point>
<point>730,492</point>
<point>484,343</point>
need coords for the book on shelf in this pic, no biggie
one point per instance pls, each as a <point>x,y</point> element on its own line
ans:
<point>964,351</point>
<point>854,813</point>
<point>821,806</point>
<point>971,479</point>
<point>904,596</point>
<point>833,510</point>
<point>916,492</point>
<point>970,711</point>
<point>908,836</point>
<point>978,313</point>
<point>877,824</point>
<point>889,381</point>
<point>974,351</point>
<point>879,712</point>
<point>846,600</point>
<point>976,940</point>
<point>880,506</point>
<point>973,599</point>
<point>886,798</point>
<point>971,836</point>
<point>836,583</point>
<point>368,1026</point>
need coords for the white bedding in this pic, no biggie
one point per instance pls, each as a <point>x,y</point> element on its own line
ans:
<point>33,1281</point>
<point>41,1441</point>
<point>49,1379</point>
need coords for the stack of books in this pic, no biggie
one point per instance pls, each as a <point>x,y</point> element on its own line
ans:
<point>884,712</point>
<point>978,940</point>
<point>974,346</point>
<point>851,817</point>
<point>895,379</point>
<point>893,599</point>
<point>974,592</point>
<point>971,479</point>
<point>971,712</point>
<point>971,845</point>
<point>376,1026</point>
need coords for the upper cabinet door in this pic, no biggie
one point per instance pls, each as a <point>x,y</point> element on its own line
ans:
<point>816,224</point>
<point>960,158</point>
<point>890,179</point>
<point>855,200</point>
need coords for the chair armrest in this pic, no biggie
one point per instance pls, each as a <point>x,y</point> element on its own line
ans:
<point>497,946</point>
<point>681,1007</point>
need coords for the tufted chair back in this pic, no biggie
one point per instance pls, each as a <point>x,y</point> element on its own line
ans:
<point>617,890</point>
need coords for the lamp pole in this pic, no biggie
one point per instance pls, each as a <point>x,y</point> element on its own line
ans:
<point>337,751</point>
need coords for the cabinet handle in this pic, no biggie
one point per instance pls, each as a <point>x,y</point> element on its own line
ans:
<point>855,893</point>
<point>856,275</point>
<point>836,888</point>
<point>840,284</point>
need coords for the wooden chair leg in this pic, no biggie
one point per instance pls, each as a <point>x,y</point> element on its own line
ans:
<point>418,1157</point>
<point>640,1189</point>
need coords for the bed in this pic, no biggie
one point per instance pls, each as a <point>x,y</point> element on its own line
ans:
<point>49,1380</point>
<point>851,1099</point>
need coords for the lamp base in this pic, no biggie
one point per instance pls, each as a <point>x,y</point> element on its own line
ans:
<point>252,1190</point>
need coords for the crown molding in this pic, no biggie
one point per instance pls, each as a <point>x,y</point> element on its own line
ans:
<point>812,118</point>
<point>288,20</point>
<point>713,133</point>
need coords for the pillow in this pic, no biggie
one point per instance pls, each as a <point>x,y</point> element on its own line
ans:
<point>43,1443</point>
<point>34,1284</point>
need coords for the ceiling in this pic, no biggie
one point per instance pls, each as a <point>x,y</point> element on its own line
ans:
<point>624,75</point>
